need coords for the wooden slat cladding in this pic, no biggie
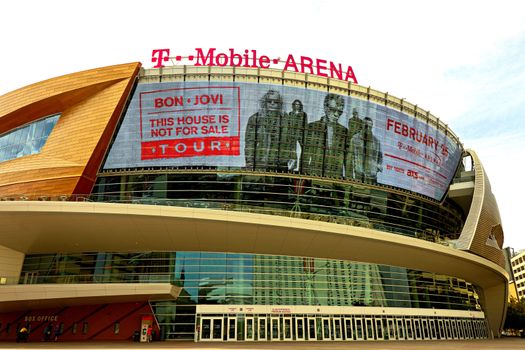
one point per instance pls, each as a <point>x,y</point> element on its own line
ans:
<point>90,104</point>
<point>482,233</point>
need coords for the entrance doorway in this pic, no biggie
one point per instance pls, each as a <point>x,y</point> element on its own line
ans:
<point>211,328</point>
<point>249,328</point>
<point>312,328</point>
<point>275,329</point>
<point>232,328</point>
<point>299,329</point>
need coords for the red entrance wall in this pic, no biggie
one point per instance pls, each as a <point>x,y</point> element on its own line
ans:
<point>80,323</point>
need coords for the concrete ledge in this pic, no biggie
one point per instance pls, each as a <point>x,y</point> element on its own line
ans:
<point>39,296</point>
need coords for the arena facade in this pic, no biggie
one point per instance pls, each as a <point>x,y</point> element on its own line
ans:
<point>239,204</point>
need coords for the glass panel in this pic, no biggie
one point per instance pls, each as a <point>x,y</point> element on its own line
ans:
<point>326,328</point>
<point>379,329</point>
<point>447,329</point>
<point>249,328</point>
<point>417,329</point>
<point>337,329</point>
<point>400,329</point>
<point>369,329</point>
<point>348,329</point>
<point>287,328</point>
<point>275,328</point>
<point>26,140</point>
<point>359,329</point>
<point>391,329</point>
<point>232,329</point>
<point>206,328</point>
<point>424,326</point>
<point>262,328</point>
<point>300,328</point>
<point>441,330</point>
<point>408,327</point>
<point>217,329</point>
<point>312,334</point>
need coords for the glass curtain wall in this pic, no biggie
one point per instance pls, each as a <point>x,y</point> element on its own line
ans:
<point>340,202</point>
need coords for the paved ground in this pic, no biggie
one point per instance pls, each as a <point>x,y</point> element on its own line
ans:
<point>499,344</point>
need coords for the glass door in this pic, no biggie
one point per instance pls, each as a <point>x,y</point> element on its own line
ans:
<point>287,329</point>
<point>299,329</point>
<point>249,332</point>
<point>326,328</point>
<point>359,329</point>
<point>400,329</point>
<point>469,329</point>
<point>391,329</point>
<point>454,329</point>
<point>337,328</point>
<point>424,326</point>
<point>379,329</point>
<point>408,329</point>
<point>349,328</point>
<point>232,328</point>
<point>261,328</point>
<point>211,329</point>
<point>312,328</point>
<point>433,331</point>
<point>447,329</point>
<point>441,329</point>
<point>369,329</point>
<point>417,329</point>
<point>275,329</point>
<point>461,327</point>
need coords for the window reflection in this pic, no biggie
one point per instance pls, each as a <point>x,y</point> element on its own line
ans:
<point>341,202</point>
<point>237,279</point>
<point>26,140</point>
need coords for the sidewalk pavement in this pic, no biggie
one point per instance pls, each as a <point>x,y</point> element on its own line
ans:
<point>497,344</point>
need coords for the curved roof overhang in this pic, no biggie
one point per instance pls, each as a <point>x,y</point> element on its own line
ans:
<point>44,226</point>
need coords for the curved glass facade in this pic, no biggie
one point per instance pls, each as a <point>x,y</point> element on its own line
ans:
<point>227,278</point>
<point>251,281</point>
<point>26,140</point>
<point>264,142</point>
<point>342,202</point>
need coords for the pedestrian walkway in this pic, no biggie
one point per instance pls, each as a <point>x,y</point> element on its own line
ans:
<point>498,344</point>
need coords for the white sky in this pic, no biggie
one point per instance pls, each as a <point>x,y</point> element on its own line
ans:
<point>462,60</point>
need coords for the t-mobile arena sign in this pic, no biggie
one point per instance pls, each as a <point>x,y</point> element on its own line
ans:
<point>252,59</point>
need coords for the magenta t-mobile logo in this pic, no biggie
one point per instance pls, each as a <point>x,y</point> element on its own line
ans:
<point>159,56</point>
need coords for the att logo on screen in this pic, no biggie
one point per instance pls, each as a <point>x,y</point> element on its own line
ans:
<point>251,59</point>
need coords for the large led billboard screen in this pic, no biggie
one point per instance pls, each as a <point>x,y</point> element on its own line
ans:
<point>279,128</point>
